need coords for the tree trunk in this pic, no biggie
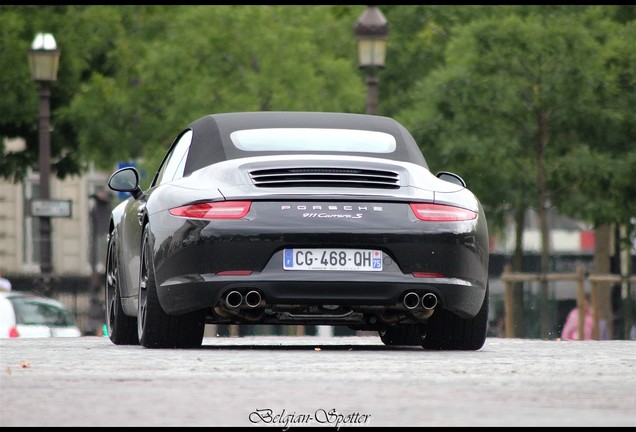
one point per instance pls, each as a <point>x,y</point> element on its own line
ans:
<point>601,265</point>
<point>626,292</point>
<point>519,327</point>
<point>545,322</point>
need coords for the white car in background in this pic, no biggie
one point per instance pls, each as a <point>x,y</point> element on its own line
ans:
<point>24,315</point>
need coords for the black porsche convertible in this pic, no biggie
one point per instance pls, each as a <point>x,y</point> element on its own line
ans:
<point>299,218</point>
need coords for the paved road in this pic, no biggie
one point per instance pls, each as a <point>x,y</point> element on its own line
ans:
<point>316,381</point>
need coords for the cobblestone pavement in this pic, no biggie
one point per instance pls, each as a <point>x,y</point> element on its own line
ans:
<point>316,381</point>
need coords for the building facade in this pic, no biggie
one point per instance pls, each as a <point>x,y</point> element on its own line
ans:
<point>71,237</point>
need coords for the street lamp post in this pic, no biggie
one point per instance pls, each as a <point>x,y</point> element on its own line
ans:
<point>371,31</point>
<point>44,59</point>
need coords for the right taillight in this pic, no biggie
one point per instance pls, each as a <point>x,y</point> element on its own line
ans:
<point>441,213</point>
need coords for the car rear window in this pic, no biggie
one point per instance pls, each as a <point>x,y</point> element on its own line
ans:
<point>313,139</point>
<point>38,312</point>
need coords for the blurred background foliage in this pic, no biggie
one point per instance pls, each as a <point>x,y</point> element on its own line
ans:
<point>532,105</point>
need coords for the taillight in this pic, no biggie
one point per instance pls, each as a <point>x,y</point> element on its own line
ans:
<point>13,332</point>
<point>441,213</point>
<point>213,210</point>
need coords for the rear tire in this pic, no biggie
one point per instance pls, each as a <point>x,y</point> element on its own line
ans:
<point>122,329</point>
<point>447,331</point>
<point>156,328</point>
<point>402,335</point>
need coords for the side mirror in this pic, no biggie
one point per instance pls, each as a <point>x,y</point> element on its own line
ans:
<point>125,180</point>
<point>451,177</point>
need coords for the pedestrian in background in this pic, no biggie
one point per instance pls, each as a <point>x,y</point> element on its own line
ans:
<point>571,327</point>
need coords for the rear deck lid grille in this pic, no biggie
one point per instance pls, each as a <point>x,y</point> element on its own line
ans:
<point>326,177</point>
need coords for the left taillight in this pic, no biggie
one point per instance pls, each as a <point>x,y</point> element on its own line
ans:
<point>213,210</point>
<point>13,332</point>
<point>441,213</point>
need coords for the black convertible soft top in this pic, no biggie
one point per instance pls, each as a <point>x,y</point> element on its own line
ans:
<point>211,141</point>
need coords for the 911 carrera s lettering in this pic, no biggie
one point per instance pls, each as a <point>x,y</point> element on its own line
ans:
<point>329,215</point>
<point>333,207</point>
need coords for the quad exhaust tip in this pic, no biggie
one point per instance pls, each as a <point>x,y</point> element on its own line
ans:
<point>253,298</point>
<point>429,301</point>
<point>412,300</point>
<point>235,299</point>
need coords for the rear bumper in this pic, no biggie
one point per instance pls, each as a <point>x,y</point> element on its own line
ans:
<point>184,294</point>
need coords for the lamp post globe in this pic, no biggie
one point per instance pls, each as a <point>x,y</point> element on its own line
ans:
<point>371,31</point>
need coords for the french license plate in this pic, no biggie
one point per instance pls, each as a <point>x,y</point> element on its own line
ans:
<point>332,259</point>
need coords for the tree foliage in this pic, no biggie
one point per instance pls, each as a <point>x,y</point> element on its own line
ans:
<point>132,76</point>
<point>601,169</point>
<point>470,81</point>
<point>479,111</point>
<point>535,105</point>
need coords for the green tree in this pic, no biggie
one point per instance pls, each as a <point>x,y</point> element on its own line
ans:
<point>606,195</point>
<point>132,76</point>
<point>508,106</point>
<point>416,45</point>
